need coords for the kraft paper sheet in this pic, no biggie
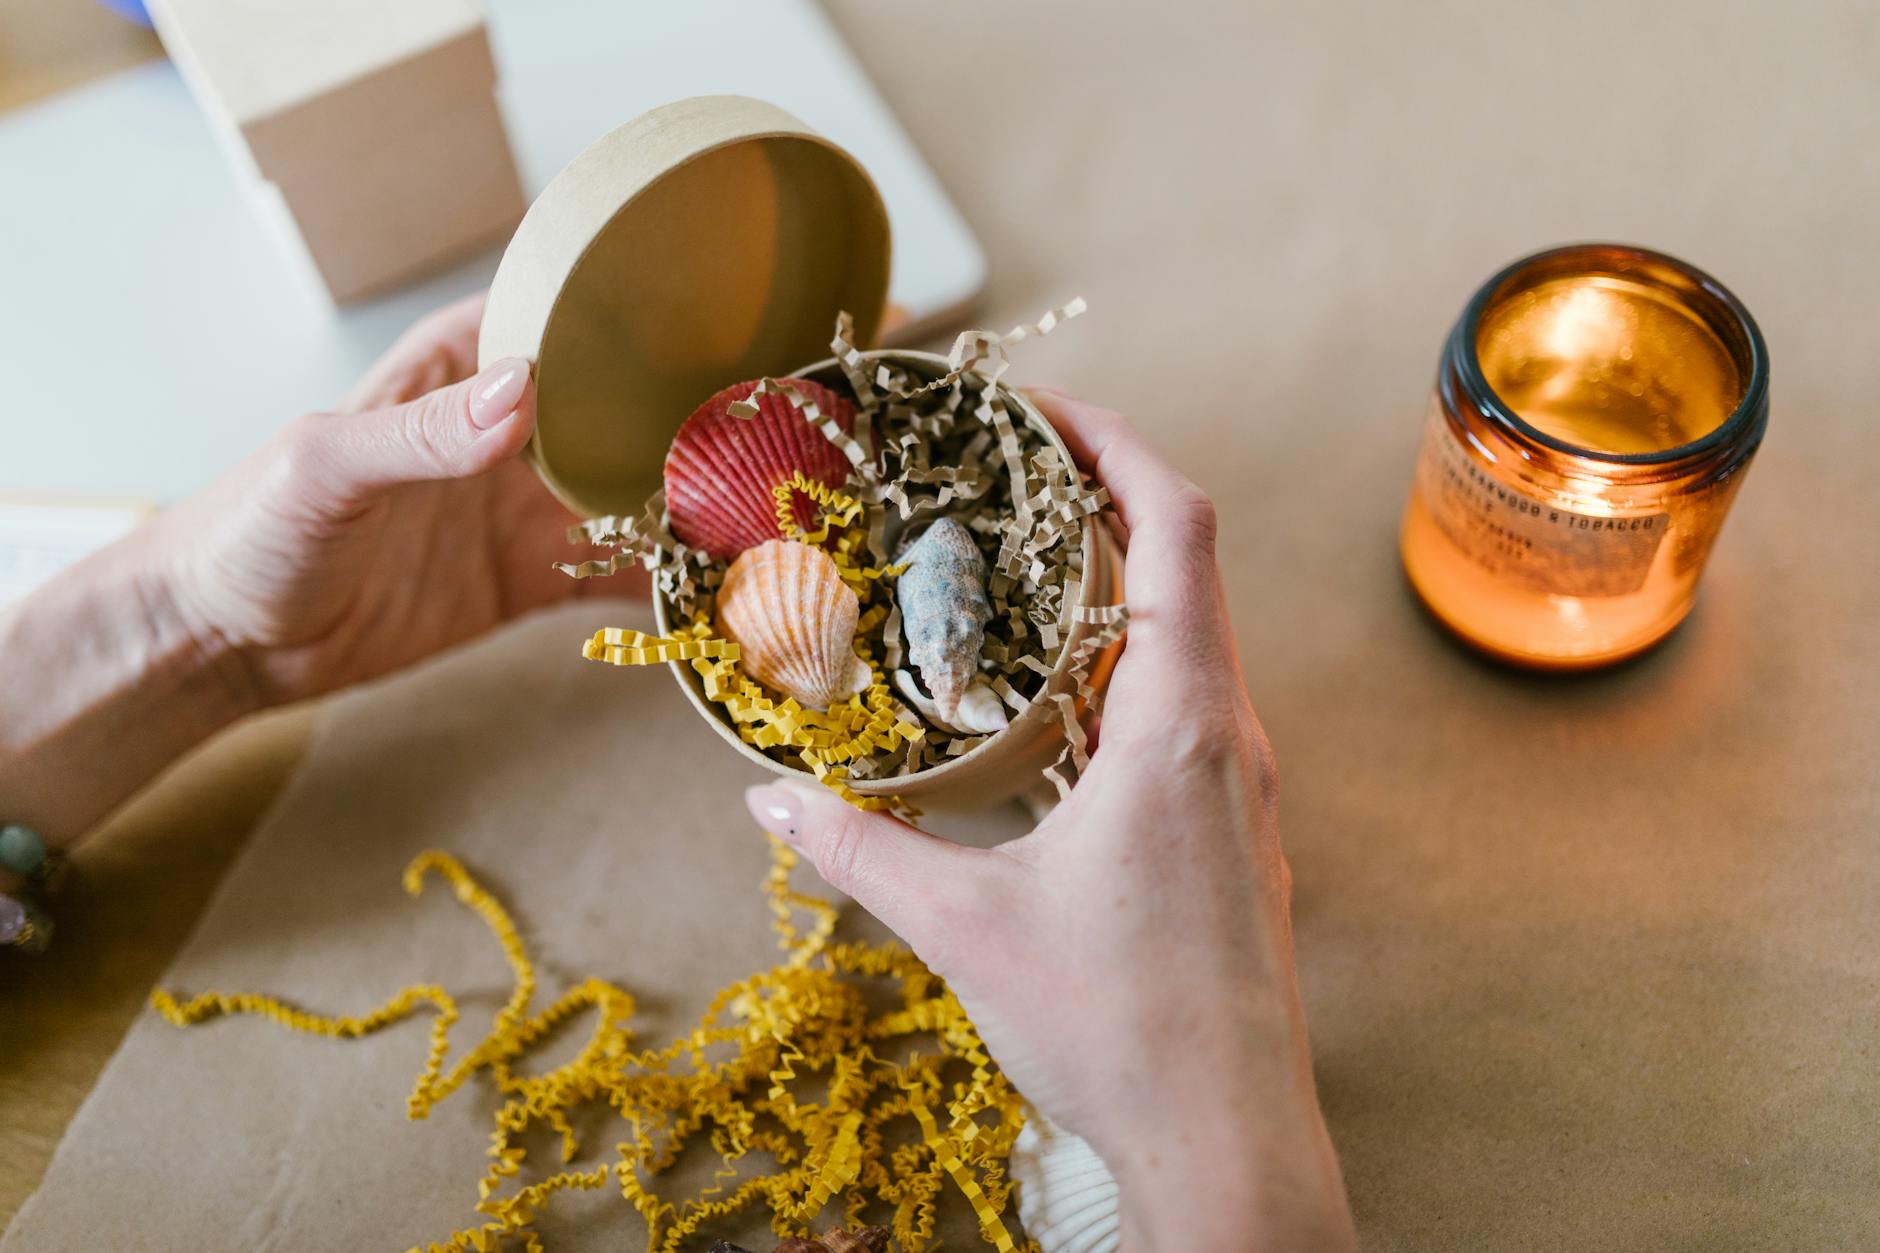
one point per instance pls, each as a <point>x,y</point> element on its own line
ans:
<point>1590,964</point>
<point>554,781</point>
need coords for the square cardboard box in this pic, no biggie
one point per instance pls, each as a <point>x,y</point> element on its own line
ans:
<point>368,130</point>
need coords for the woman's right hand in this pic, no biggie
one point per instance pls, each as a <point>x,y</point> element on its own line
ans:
<point>1129,963</point>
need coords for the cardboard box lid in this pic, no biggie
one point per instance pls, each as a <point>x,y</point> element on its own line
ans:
<point>259,58</point>
<point>706,242</point>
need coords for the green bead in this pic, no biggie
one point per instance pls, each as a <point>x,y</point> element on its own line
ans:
<point>21,850</point>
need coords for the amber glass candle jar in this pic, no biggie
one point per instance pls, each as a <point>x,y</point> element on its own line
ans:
<point>1595,408</point>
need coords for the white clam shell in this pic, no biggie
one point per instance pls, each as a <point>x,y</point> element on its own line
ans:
<point>1067,1197</point>
<point>979,712</point>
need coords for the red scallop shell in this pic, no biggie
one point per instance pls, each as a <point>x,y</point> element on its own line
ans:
<point>722,472</point>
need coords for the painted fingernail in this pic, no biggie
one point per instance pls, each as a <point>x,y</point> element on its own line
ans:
<point>777,810</point>
<point>496,391</point>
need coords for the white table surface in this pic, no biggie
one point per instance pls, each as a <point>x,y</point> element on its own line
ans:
<point>153,329</point>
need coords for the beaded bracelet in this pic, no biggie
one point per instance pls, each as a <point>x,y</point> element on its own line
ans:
<point>22,924</point>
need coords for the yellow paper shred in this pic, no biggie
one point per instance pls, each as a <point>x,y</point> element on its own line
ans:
<point>799,1110</point>
<point>837,509</point>
<point>961,444</point>
<point>618,646</point>
<point>825,742</point>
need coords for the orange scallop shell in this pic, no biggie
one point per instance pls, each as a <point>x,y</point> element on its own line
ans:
<point>722,472</point>
<point>793,618</point>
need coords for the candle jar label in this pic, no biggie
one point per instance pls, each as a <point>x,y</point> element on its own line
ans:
<point>1530,543</point>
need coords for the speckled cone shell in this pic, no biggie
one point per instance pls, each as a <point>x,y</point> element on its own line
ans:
<point>722,472</point>
<point>793,619</point>
<point>944,611</point>
<point>1067,1197</point>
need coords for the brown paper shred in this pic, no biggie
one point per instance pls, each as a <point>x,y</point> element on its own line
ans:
<point>1015,700</point>
<point>1062,500</point>
<point>965,744</point>
<point>1110,621</point>
<point>955,483</point>
<point>849,358</point>
<point>1034,665</point>
<point>954,446</point>
<point>893,647</point>
<point>1046,324</point>
<point>974,349</point>
<point>1017,532</point>
<point>682,573</point>
<point>852,448</point>
<point>1103,615</point>
<point>1063,772</point>
<point>599,569</point>
<point>1047,608</point>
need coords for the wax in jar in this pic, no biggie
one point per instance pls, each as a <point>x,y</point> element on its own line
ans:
<point>1608,364</point>
<point>1594,408</point>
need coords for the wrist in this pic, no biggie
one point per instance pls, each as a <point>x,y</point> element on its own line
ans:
<point>213,673</point>
<point>1229,1150</point>
<point>107,684</point>
<point>1272,1185</point>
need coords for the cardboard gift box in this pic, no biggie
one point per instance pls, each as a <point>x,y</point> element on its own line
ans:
<point>708,242</point>
<point>368,131</point>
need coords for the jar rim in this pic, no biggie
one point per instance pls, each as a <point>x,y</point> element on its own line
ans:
<point>1744,425</point>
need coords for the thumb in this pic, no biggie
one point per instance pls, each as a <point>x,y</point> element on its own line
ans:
<point>929,891</point>
<point>455,432</point>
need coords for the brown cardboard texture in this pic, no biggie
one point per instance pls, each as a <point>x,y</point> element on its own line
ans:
<point>1589,963</point>
<point>375,125</point>
<point>585,819</point>
<point>703,243</point>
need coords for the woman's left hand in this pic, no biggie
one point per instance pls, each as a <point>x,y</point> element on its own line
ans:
<point>353,543</point>
<point>359,541</point>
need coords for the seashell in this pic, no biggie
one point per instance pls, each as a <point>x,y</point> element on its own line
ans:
<point>861,1240</point>
<point>1067,1197</point>
<point>840,1240</point>
<point>793,619</point>
<point>722,472</point>
<point>980,710</point>
<point>944,611</point>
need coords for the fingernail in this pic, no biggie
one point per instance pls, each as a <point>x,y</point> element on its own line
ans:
<point>496,391</point>
<point>777,810</point>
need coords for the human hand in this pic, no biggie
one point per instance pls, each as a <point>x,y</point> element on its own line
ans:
<point>1129,963</point>
<point>359,541</point>
<point>353,543</point>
